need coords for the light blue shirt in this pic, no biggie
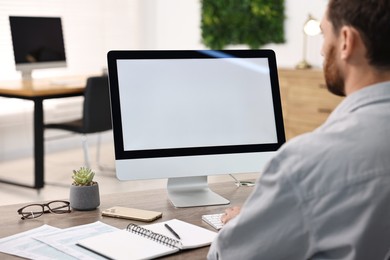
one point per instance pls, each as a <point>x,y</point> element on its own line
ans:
<point>326,195</point>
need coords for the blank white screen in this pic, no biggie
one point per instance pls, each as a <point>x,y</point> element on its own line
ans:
<point>195,103</point>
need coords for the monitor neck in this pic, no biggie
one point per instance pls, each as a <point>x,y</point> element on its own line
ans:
<point>186,192</point>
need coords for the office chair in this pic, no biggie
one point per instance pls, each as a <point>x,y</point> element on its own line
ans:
<point>96,116</point>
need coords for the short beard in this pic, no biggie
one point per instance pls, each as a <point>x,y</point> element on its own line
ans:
<point>333,78</point>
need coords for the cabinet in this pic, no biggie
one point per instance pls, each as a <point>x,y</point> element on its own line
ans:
<point>306,102</point>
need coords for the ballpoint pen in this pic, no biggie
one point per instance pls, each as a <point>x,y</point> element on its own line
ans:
<point>172,231</point>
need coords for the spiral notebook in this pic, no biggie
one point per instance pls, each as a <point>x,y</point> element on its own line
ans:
<point>149,241</point>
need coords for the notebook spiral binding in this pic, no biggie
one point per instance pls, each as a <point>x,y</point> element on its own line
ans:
<point>154,236</point>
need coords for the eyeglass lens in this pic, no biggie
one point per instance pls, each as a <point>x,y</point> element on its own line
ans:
<point>58,207</point>
<point>31,211</point>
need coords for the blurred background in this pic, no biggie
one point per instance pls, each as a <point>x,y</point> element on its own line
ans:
<point>93,27</point>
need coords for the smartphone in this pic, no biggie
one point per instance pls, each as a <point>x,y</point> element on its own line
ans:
<point>131,213</point>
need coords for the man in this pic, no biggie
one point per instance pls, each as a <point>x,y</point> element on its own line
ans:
<point>326,195</point>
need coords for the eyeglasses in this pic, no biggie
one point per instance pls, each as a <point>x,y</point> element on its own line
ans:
<point>36,210</point>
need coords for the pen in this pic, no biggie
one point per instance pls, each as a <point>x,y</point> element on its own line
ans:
<point>172,231</point>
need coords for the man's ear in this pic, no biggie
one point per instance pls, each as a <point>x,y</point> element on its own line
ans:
<point>348,41</point>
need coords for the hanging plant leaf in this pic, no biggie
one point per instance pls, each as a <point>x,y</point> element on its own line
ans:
<point>251,22</point>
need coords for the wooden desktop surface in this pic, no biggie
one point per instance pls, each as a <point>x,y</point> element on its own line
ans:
<point>156,200</point>
<point>73,85</point>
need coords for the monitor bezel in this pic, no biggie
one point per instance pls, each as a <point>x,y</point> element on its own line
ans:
<point>122,154</point>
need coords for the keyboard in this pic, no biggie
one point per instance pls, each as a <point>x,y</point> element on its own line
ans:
<point>213,220</point>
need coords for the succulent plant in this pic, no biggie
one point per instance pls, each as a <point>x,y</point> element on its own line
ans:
<point>83,177</point>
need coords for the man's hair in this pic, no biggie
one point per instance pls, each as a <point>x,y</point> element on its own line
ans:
<point>372,19</point>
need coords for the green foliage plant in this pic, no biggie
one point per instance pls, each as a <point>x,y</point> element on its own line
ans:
<point>250,22</point>
<point>83,177</point>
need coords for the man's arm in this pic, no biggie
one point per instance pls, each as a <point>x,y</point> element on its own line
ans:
<point>271,224</point>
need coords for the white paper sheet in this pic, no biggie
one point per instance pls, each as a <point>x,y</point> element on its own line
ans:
<point>65,239</point>
<point>24,245</point>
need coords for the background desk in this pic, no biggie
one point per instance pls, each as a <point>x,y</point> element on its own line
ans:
<point>37,92</point>
<point>150,200</point>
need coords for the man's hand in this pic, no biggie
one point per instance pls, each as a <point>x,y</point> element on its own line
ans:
<point>229,214</point>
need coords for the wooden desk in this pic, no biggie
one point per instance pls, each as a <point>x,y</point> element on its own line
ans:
<point>37,91</point>
<point>150,200</point>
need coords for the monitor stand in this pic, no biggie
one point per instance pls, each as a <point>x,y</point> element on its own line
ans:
<point>27,80</point>
<point>26,75</point>
<point>187,192</point>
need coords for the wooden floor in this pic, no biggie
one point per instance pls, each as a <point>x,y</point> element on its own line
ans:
<point>58,171</point>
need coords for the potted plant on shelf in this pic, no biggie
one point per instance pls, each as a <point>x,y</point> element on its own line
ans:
<point>84,191</point>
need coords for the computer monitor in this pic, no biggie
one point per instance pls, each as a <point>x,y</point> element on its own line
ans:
<point>186,115</point>
<point>38,43</point>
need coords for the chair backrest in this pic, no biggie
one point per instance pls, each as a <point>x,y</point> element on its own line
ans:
<point>97,107</point>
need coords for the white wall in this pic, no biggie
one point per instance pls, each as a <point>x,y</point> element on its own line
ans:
<point>175,24</point>
<point>93,27</point>
<point>90,27</point>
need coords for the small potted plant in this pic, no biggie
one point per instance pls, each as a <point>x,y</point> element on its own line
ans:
<point>84,191</point>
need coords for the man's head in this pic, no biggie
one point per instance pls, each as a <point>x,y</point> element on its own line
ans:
<point>356,33</point>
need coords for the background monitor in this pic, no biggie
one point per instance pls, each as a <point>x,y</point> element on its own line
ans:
<point>38,43</point>
<point>184,115</point>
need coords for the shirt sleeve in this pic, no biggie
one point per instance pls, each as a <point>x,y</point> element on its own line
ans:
<point>271,224</point>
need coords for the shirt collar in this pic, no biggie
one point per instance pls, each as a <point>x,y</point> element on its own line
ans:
<point>371,94</point>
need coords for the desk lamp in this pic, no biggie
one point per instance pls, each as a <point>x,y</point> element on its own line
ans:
<point>311,27</point>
